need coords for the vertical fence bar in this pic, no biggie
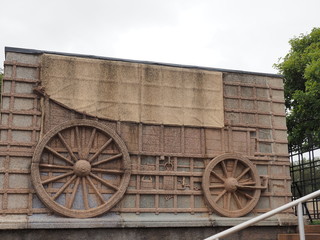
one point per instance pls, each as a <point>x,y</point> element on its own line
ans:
<point>300,222</point>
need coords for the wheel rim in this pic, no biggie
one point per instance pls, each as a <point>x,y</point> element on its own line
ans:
<point>231,185</point>
<point>81,169</point>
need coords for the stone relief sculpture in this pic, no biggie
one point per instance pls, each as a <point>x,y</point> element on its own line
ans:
<point>104,136</point>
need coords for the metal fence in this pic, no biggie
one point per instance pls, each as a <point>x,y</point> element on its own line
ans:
<point>305,174</point>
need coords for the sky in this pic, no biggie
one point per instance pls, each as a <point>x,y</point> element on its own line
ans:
<point>248,35</point>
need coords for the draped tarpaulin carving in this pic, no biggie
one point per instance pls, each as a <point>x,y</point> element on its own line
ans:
<point>135,92</point>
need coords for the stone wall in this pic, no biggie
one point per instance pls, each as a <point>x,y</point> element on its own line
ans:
<point>20,127</point>
<point>254,127</point>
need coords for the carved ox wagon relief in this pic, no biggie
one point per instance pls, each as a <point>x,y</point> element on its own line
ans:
<point>82,168</point>
<point>139,138</point>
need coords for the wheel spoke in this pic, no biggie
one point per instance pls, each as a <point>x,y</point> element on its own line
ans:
<point>58,154</point>
<point>107,171</point>
<point>61,190</point>
<point>217,186</point>
<point>79,143</point>
<point>234,168</point>
<point>238,202</point>
<point>56,178</point>
<point>246,195</point>
<point>220,195</point>
<point>228,203</point>
<point>214,173</point>
<point>55,166</point>
<point>224,169</point>
<point>85,193</point>
<point>104,182</point>
<point>250,187</point>
<point>246,183</point>
<point>95,190</point>
<point>100,150</point>
<point>73,195</point>
<point>107,159</point>
<point>243,173</point>
<point>93,133</point>
<point>67,147</point>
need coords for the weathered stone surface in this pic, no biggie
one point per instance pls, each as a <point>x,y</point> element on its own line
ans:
<point>6,86</point>
<point>253,125</point>
<point>263,93</point>
<point>22,57</point>
<point>231,91</point>
<point>23,104</point>
<point>247,92</point>
<point>16,201</point>
<point>265,134</point>
<point>25,72</point>
<point>5,103</point>
<point>280,135</point>
<point>26,88</point>
<point>150,97</point>
<point>265,147</point>
<point>264,106</point>
<point>22,121</point>
<point>264,120</point>
<point>275,83</point>
<point>21,136</point>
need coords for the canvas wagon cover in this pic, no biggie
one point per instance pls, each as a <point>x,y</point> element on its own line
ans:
<point>126,91</point>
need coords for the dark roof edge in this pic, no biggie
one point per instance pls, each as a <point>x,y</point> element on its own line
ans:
<point>34,51</point>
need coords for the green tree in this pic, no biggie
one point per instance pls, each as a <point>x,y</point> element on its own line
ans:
<point>301,71</point>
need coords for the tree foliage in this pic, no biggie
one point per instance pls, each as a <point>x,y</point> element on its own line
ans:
<point>301,71</point>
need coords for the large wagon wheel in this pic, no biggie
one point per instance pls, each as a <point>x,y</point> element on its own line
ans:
<point>81,169</point>
<point>231,185</point>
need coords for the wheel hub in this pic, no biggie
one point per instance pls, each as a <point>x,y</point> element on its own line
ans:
<point>82,168</point>
<point>231,184</point>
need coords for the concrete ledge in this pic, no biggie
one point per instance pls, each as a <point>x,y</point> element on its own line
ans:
<point>121,221</point>
<point>112,220</point>
<point>183,233</point>
<point>13,222</point>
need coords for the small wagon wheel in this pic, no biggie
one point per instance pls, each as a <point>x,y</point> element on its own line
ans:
<point>81,169</point>
<point>231,185</point>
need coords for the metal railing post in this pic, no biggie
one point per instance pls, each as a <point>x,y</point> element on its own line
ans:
<point>300,222</point>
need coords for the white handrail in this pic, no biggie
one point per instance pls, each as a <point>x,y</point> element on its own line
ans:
<point>269,214</point>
